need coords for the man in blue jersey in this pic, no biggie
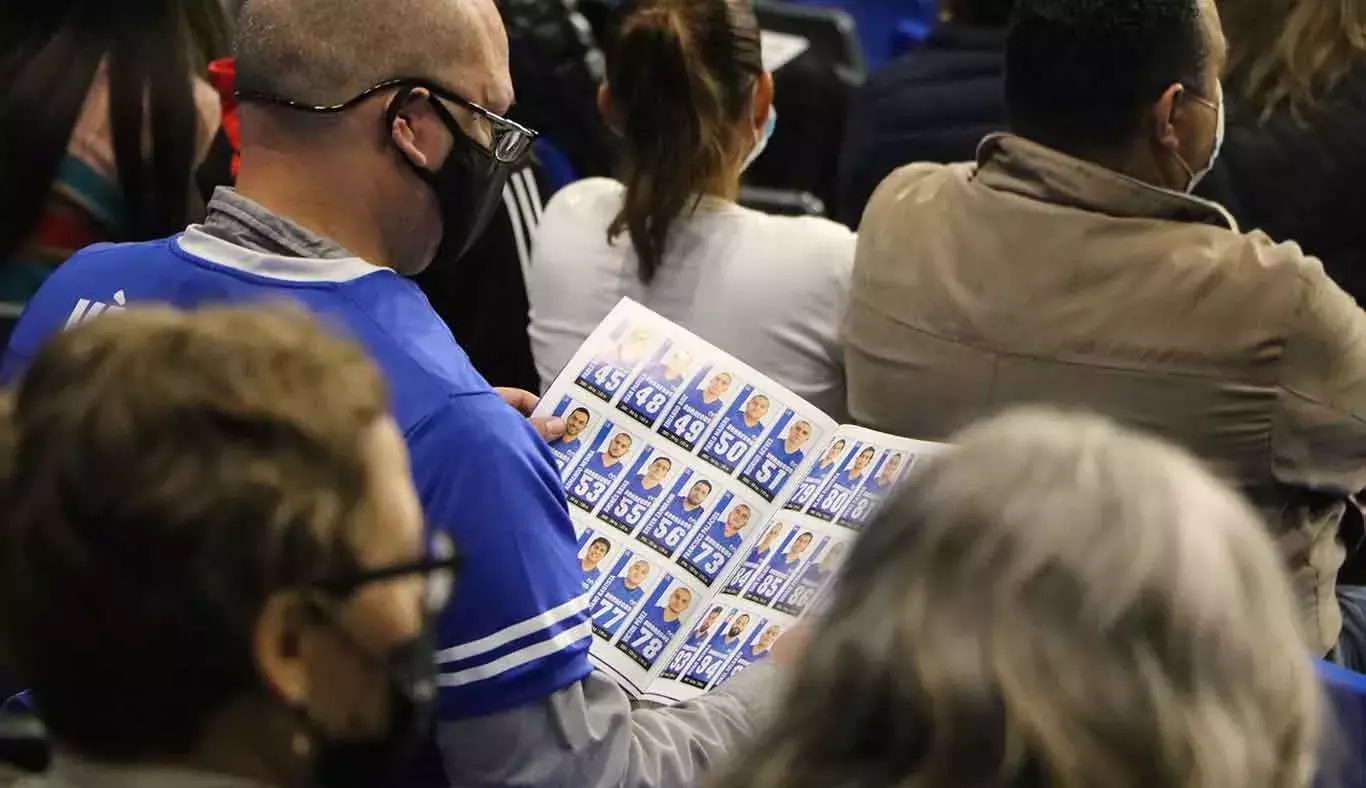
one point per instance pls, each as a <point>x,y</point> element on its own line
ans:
<point>372,134</point>
<point>854,474</point>
<point>567,445</point>
<point>790,450</point>
<point>708,400</point>
<point>672,370</point>
<point>692,503</point>
<point>828,460</point>
<point>649,482</point>
<point>703,630</point>
<point>592,558</point>
<point>887,473</point>
<point>752,419</point>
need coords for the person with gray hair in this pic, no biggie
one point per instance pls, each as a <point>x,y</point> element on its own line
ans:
<point>373,141</point>
<point>1056,603</point>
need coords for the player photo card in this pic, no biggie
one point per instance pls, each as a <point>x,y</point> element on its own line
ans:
<point>630,505</point>
<point>595,554</point>
<point>839,492</point>
<point>609,370</point>
<point>741,430</point>
<point>711,622</point>
<point>712,658</point>
<point>779,455</point>
<point>757,559</point>
<point>813,579</point>
<point>869,498</point>
<point>666,374</point>
<point>675,521</point>
<point>704,399</point>
<point>759,647</point>
<point>781,568</point>
<point>656,625</point>
<point>610,456</point>
<point>615,600</point>
<point>710,550</point>
<point>579,421</point>
<point>831,458</point>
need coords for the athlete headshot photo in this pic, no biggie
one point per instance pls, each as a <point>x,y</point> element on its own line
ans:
<point>797,436</point>
<point>653,477</point>
<point>753,416</point>
<point>796,550</point>
<point>597,550</point>
<point>737,628</point>
<point>617,449</point>
<point>703,630</point>
<point>831,456</point>
<point>762,644</point>
<point>716,388</point>
<point>887,473</point>
<point>697,496</point>
<point>737,521</point>
<point>679,600</point>
<point>627,588</point>
<point>859,467</point>
<point>574,425</point>
<point>765,545</point>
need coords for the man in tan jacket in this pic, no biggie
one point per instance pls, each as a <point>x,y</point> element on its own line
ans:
<point>1070,265</point>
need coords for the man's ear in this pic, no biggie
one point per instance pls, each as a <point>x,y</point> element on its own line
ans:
<point>1165,114</point>
<point>405,131</point>
<point>278,649</point>
<point>605,108</point>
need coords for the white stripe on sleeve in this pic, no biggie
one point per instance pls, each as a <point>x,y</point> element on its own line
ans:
<point>502,637</point>
<point>517,658</point>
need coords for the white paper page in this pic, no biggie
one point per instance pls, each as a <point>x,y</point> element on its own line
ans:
<point>657,416</point>
<point>791,561</point>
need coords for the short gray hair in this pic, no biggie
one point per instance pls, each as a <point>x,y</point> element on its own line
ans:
<point>328,51</point>
<point>1055,601</point>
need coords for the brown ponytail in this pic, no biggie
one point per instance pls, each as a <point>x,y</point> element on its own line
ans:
<point>682,75</point>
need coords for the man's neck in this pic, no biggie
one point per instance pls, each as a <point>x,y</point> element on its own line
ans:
<point>332,213</point>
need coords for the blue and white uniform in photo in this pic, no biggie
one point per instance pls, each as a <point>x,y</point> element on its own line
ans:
<point>733,439</point>
<point>589,483</point>
<point>652,391</point>
<point>673,524</point>
<point>773,464</point>
<point>711,549</point>
<point>651,631</point>
<point>687,421</point>
<point>615,601</point>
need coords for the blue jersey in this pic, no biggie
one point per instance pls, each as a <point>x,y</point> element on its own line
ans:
<point>771,468</point>
<point>648,636</point>
<point>671,526</point>
<point>517,628</point>
<point>590,577</point>
<point>564,451</point>
<point>689,418</point>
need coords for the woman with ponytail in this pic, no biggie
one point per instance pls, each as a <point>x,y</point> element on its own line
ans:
<point>688,95</point>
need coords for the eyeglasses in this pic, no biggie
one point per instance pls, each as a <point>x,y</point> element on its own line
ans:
<point>507,140</point>
<point>438,570</point>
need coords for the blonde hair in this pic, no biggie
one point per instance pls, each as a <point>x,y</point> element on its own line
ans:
<point>1292,51</point>
<point>1056,602</point>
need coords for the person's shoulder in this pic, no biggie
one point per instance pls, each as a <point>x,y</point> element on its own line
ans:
<point>918,177</point>
<point>586,198</point>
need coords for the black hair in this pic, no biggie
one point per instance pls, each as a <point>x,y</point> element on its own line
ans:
<point>601,541</point>
<point>50,53</point>
<point>584,411</point>
<point>1081,73</point>
<point>682,75</point>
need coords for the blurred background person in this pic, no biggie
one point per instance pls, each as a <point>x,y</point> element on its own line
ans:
<point>1295,154</point>
<point>1118,617</point>
<point>687,91</point>
<point>934,103</point>
<point>1071,266</point>
<point>216,571</point>
<point>105,114</point>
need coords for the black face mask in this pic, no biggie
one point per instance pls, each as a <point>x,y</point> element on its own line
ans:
<point>468,185</point>
<point>370,761</point>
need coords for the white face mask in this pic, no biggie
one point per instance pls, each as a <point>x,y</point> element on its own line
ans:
<point>1200,174</point>
<point>763,137</point>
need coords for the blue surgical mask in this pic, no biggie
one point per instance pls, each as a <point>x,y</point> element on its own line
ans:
<point>763,137</point>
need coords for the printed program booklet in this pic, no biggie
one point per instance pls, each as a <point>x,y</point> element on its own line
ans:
<point>712,505</point>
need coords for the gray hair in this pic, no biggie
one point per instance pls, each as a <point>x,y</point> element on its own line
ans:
<point>1057,601</point>
<point>327,51</point>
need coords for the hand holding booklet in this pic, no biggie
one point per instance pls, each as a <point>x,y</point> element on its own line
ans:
<point>712,505</point>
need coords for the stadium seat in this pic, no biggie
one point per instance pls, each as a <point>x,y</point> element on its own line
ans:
<point>1344,763</point>
<point>831,31</point>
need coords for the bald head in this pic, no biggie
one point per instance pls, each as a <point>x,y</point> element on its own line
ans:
<point>327,51</point>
